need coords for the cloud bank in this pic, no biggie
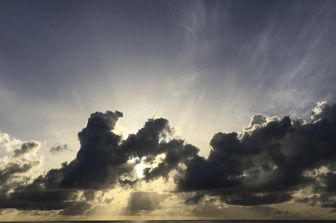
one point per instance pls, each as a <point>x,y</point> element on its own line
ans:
<point>273,160</point>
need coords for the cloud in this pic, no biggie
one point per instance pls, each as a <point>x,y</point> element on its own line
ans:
<point>98,164</point>
<point>154,140</point>
<point>218,210</point>
<point>76,209</point>
<point>102,162</point>
<point>26,147</point>
<point>12,169</point>
<point>18,161</point>
<point>59,148</point>
<point>269,161</point>
<point>144,201</point>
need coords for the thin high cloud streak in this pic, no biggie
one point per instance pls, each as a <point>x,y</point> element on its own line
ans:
<point>271,161</point>
<point>278,56</point>
<point>281,49</point>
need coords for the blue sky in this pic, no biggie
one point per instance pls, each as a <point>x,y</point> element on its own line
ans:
<point>187,60</point>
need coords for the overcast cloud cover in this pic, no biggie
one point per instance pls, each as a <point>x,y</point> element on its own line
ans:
<point>187,76</point>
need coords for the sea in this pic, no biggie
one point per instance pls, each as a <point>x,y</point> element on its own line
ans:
<point>190,221</point>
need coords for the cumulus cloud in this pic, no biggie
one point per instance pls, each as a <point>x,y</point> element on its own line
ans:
<point>26,147</point>
<point>271,161</point>
<point>18,161</point>
<point>102,162</point>
<point>268,163</point>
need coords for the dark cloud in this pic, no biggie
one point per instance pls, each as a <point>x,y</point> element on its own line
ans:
<point>26,147</point>
<point>12,169</point>
<point>219,211</point>
<point>103,161</point>
<point>17,162</point>
<point>144,201</point>
<point>176,153</point>
<point>195,199</point>
<point>268,162</point>
<point>147,139</point>
<point>59,148</point>
<point>99,162</point>
<point>76,209</point>
<point>246,199</point>
<point>265,164</point>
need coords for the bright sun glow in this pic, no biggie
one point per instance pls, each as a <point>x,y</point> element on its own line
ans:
<point>139,167</point>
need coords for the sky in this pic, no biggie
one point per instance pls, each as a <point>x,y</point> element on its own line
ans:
<point>167,109</point>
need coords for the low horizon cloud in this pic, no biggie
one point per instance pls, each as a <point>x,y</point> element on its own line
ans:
<point>273,160</point>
